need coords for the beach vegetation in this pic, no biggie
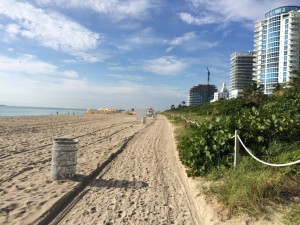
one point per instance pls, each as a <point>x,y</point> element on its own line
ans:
<point>270,128</point>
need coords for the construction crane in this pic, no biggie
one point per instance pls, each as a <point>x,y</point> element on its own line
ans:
<point>208,75</point>
<point>207,90</point>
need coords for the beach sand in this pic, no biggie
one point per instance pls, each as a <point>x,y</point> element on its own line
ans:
<point>127,173</point>
<point>26,190</point>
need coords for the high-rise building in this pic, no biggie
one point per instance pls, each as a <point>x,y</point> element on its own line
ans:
<point>277,46</point>
<point>241,72</point>
<point>201,94</point>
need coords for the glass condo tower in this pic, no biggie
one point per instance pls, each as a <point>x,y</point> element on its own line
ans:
<point>277,46</point>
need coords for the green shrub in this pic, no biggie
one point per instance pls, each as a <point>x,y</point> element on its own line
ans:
<point>208,146</point>
<point>211,145</point>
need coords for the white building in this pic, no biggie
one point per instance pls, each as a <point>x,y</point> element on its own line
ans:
<point>276,46</point>
<point>241,72</point>
<point>223,94</point>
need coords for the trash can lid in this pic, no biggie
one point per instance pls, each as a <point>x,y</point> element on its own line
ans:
<point>66,140</point>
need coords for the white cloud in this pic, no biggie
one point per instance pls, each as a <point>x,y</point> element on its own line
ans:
<point>26,64</point>
<point>30,65</point>
<point>49,29</point>
<point>185,38</point>
<point>145,36</point>
<point>191,42</point>
<point>167,65</point>
<point>70,74</point>
<point>126,76</point>
<point>116,67</point>
<point>115,9</point>
<point>188,37</point>
<point>139,39</point>
<point>226,11</point>
<point>200,20</point>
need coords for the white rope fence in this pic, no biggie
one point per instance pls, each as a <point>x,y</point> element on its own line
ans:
<point>186,120</point>
<point>190,121</point>
<point>237,138</point>
<point>236,149</point>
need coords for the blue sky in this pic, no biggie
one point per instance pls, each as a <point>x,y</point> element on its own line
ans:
<point>120,53</point>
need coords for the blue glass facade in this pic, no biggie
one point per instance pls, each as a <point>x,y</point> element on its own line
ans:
<point>281,10</point>
<point>273,46</point>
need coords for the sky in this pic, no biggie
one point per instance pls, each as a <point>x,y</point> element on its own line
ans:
<point>120,54</point>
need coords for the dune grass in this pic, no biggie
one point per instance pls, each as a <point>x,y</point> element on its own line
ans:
<point>252,188</point>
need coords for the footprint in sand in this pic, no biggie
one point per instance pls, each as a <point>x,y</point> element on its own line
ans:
<point>93,209</point>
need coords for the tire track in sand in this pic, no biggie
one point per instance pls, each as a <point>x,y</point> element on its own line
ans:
<point>144,185</point>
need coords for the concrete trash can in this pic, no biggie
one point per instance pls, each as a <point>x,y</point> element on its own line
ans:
<point>144,120</point>
<point>64,158</point>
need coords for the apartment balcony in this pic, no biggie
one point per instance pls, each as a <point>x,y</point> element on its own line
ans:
<point>258,40</point>
<point>295,27</point>
<point>293,34</point>
<point>291,69</point>
<point>291,54</point>
<point>257,34</point>
<point>294,59</point>
<point>258,29</point>
<point>257,63</point>
<point>256,47</point>
<point>256,59</point>
<point>293,43</point>
<point>256,69</point>
<point>293,66</point>
<point>258,24</point>
<point>294,49</point>
<point>293,37</point>
<point>294,20</point>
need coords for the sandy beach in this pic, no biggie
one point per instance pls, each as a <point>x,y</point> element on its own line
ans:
<point>127,173</point>
<point>27,191</point>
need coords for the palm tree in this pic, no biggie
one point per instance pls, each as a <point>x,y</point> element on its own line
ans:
<point>279,89</point>
<point>295,80</point>
<point>254,93</point>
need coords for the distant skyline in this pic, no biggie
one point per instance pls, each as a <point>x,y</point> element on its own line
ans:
<point>120,54</point>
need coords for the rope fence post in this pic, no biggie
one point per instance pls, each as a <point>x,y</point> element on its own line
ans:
<point>236,148</point>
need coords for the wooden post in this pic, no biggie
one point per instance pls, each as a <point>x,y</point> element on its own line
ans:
<point>236,148</point>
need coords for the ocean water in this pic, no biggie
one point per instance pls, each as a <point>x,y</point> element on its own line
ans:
<point>36,111</point>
